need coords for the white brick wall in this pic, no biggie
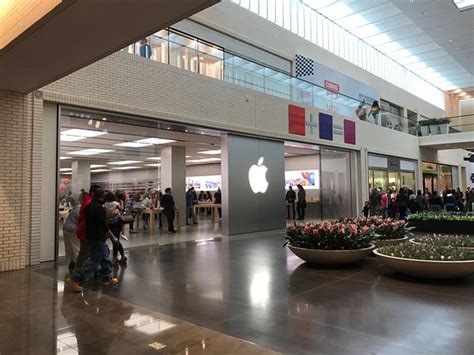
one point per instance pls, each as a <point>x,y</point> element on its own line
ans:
<point>20,164</point>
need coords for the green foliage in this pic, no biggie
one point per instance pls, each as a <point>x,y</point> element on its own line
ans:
<point>433,216</point>
<point>427,252</point>
<point>456,241</point>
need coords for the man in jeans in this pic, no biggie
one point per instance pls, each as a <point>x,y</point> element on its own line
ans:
<point>97,232</point>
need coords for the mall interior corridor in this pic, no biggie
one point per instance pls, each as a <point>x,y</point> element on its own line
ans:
<point>204,296</point>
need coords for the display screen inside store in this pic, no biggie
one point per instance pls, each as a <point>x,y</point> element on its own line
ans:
<point>206,183</point>
<point>309,179</point>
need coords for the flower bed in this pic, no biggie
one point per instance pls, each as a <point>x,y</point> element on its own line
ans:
<point>330,243</point>
<point>442,223</point>
<point>329,236</point>
<point>430,261</point>
<point>452,241</point>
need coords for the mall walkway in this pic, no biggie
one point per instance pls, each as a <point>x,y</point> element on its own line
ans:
<point>249,288</point>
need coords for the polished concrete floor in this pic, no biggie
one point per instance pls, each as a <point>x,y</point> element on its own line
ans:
<point>248,288</point>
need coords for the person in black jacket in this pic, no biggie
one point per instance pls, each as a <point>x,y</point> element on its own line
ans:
<point>290,200</point>
<point>169,208</point>
<point>97,233</point>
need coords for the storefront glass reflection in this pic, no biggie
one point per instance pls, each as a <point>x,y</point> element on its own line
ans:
<point>336,192</point>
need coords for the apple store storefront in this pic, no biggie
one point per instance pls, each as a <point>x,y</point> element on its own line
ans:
<point>240,182</point>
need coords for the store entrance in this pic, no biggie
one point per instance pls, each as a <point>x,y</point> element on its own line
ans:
<point>430,182</point>
<point>134,161</point>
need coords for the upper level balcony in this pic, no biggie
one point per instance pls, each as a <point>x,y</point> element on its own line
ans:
<point>448,133</point>
<point>183,51</point>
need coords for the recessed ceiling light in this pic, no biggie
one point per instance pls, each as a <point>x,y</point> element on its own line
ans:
<point>91,151</point>
<point>133,144</point>
<point>65,158</point>
<point>207,160</point>
<point>65,169</point>
<point>462,93</point>
<point>72,135</point>
<point>100,170</point>
<point>124,162</point>
<point>66,173</point>
<point>127,167</point>
<point>154,158</point>
<point>94,166</point>
<point>155,141</point>
<point>211,152</point>
<point>154,165</point>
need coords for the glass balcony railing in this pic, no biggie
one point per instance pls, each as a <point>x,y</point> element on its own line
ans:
<point>183,51</point>
<point>446,125</point>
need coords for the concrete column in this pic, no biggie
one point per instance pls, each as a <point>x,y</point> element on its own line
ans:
<point>81,177</point>
<point>364,177</point>
<point>173,174</point>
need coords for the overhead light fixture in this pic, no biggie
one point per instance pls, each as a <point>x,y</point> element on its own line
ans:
<point>464,5</point>
<point>66,173</point>
<point>87,152</point>
<point>100,170</point>
<point>154,158</point>
<point>461,94</point>
<point>17,16</point>
<point>64,158</point>
<point>72,135</point>
<point>124,162</point>
<point>207,160</point>
<point>211,152</point>
<point>153,165</point>
<point>457,91</point>
<point>95,166</point>
<point>65,169</point>
<point>132,144</point>
<point>126,167</point>
<point>155,141</point>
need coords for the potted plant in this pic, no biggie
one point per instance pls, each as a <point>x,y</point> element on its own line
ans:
<point>386,231</point>
<point>426,126</point>
<point>427,260</point>
<point>391,232</point>
<point>442,125</point>
<point>330,243</point>
<point>434,222</point>
<point>450,241</point>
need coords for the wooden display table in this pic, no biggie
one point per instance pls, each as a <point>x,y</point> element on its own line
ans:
<point>152,223</point>
<point>213,206</point>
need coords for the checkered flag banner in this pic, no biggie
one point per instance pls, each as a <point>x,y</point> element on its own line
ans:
<point>304,66</point>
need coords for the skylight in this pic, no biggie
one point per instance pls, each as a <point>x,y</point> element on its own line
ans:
<point>464,4</point>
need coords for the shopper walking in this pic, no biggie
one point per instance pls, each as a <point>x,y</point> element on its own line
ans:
<point>169,209</point>
<point>290,199</point>
<point>97,232</point>
<point>301,204</point>
<point>81,228</point>
<point>115,223</point>
<point>191,200</point>
<point>218,200</point>
<point>71,242</point>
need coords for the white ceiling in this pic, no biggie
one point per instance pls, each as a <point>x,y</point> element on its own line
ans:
<point>432,38</point>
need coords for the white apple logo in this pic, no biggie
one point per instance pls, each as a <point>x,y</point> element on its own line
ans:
<point>257,177</point>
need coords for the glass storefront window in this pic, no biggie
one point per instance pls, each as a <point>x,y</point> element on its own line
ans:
<point>445,178</point>
<point>336,192</point>
<point>394,180</point>
<point>378,179</point>
<point>183,52</point>
<point>408,180</point>
<point>159,46</point>
<point>210,61</point>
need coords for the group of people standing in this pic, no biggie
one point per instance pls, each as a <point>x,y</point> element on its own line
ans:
<point>193,199</point>
<point>296,198</point>
<point>405,202</point>
<point>98,216</point>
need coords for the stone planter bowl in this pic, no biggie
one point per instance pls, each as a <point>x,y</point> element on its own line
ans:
<point>412,241</point>
<point>386,242</point>
<point>431,269</point>
<point>331,257</point>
